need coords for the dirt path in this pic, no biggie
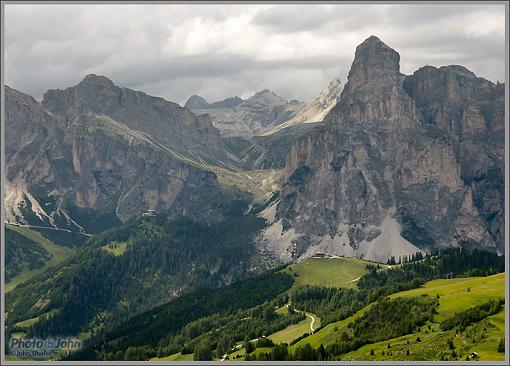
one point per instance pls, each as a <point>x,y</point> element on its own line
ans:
<point>354,280</point>
<point>313,321</point>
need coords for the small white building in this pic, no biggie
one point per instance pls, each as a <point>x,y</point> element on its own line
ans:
<point>321,255</point>
<point>150,213</point>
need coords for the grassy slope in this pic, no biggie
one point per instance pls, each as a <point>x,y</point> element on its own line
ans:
<point>482,337</point>
<point>27,323</point>
<point>331,272</point>
<point>454,297</point>
<point>331,332</point>
<point>59,253</point>
<point>291,332</point>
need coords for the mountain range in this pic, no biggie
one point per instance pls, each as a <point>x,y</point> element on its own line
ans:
<point>264,112</point>
<point>156,200</point>
<point>415,161</point>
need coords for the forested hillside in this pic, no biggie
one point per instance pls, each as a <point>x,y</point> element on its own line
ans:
<point>135,267</point>
<point>237,321</point>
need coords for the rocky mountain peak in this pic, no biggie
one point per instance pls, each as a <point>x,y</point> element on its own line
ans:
<point>332,93</point>
<point>96,80</point>
<point>334,84</point>
<point>459,70</point>
<point>196,102</point>
<point>373,61</point>
<point>227,103</point>
<point>93,93</point>
<point>266,97</point>
<point>373,96</point>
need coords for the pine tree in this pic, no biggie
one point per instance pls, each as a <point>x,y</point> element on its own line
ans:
<point>202,352</point>
<point>248,346</point>
<point>501,346</point>
<point>450,344</point>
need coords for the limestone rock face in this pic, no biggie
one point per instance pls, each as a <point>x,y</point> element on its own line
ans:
<point>387,174</point>
<point>470,112</point>
<point>373,61</point>
<point>103,150</point>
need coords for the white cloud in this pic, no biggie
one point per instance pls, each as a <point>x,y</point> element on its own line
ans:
<point>223,50</point>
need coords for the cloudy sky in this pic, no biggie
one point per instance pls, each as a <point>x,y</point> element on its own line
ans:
<point>219,51</point>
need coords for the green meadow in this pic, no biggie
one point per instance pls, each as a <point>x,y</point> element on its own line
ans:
<point>330,272</point>
<point>292,332</point>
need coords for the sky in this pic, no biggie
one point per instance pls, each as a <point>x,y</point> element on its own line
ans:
<point>218,51</point>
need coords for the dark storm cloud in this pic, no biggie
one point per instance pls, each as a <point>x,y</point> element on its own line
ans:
<point>222,50</point>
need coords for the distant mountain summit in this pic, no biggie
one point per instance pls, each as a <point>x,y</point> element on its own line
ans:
<point>265,112</point>
<point>262,111</point>
<point>196,102</point>
<point>227,103</point>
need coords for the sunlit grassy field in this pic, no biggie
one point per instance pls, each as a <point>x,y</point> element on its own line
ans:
<point>455,295</point>
<point>292,332</point>
<point>458,294</point>
<point>332,272</point>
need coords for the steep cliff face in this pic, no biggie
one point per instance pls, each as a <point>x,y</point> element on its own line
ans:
<point>99,151</point>
<point>470,111</point>
<point>376,180</point>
